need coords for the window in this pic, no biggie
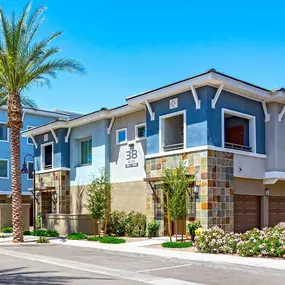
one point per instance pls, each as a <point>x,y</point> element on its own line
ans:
<point>238,131</point>
<point>29,140</point>
<point>3,132</point>
<point>47,156</point>
<point>4,168</point>
<point>30,170</point>
<point>86,151</point>
<point>172,129</point>
<point>121,136</point>
<point>140,131</point>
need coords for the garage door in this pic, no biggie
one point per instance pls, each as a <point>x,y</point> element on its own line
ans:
<point>276,210</point>
<point>246,213</point>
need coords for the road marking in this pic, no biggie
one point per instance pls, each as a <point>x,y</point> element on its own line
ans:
<point>118,273</point>
<point>163,268</point>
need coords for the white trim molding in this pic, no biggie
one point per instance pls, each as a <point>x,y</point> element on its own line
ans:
<point>34,141</point>
<point>111,125</point>
<point>29,128</point>
<point>205,147</point>
<point>196,98</point>
<point>252,126</point>
<point>8,169</point>
<point>217,95</point>
<point>54,135</point>
<point>151,113</point>
<point>162,131</point>
<point>266,114</point>
<point>137,138</point>
<point>281,114</point>
<point>67,135</point>
<point>53,170</point>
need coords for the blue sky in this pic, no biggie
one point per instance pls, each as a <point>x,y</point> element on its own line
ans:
<point>131,46</point>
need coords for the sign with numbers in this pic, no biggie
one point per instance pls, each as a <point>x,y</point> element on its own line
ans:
<point>132,158</point>
<point>45,137</point>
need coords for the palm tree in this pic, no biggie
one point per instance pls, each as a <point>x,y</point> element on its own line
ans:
<point>23,64</point>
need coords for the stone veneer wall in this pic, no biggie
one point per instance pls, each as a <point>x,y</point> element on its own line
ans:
<point>213,172</point>
<point>60,181</point>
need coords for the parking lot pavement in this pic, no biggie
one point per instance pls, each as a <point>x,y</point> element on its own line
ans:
<point>59,264</point>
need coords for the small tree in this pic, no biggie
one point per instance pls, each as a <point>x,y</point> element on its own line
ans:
<point>99,199</point>
<point>175,184</point>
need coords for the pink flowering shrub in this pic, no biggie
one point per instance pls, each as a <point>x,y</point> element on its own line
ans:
<point>269,242</point>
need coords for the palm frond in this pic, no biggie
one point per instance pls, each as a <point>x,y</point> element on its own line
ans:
<point>28,102</point>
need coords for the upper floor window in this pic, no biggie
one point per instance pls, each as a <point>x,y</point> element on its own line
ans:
<point>172,131</point>
<point>86,151</point>
<point>3,132</point>
<point>30,170</point>
<point>121,136</point>
<point>140,131</point>
<point>4,164</point>
<point>47,156</point>
<point>238,131</point>
<point>29,140</point>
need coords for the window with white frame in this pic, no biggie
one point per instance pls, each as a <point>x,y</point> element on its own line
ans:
<point>121,136</point>
<point>86,151</point>
<point>30,170</point>
<point>140,131</point>
<point>3,132</point>
<point>4,171</point>
<point>47,156</point>
<point>238,131</point>
<point>29,140</point>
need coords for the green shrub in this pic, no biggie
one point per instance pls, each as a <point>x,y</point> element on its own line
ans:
<point>1,236</point>
<point>177,244</point>
<point>45,233</point>
<point>27,233</point>
<point>116,223</point>
<point>7,230</point>
<point>94,238</point>
<point>43,240</point>
<point>113,240</point>
<point>76,236</point>
<point>153,229</point>
<point>135,224</point>
<point>192,227</point>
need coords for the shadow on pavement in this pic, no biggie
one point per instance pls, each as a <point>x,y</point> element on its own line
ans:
<point>16,276</point>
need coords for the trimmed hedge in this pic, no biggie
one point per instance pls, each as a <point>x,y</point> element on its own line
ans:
<point>27,233</point>
<point>7,230</point>
<point>45,233</point>
<point>177,244</point>
<point>109,239</point>
<point>76,236</point>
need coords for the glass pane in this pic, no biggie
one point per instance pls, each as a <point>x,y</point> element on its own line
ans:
<point>141,132</point>
<point>84,154</point>
<point>3,168</point>
<point>90,151</point>
<point>31,170</point>
<point>122,136</point>
<point>3,132</point>
<point>48,156</point>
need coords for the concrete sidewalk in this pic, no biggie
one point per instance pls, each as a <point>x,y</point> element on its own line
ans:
<point>137,248</point>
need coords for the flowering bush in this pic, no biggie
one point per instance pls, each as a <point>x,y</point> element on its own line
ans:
<point>198,231</point>
<point>269,242</point>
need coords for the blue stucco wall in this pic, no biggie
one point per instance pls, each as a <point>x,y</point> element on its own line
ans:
<point>61,149</point>
<point>204,124</point>
<point>5,153</point>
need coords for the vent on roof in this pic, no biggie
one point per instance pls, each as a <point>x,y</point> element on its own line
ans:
<point>212,70</point>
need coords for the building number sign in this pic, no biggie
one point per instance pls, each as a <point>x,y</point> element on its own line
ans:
<point>132,158</point>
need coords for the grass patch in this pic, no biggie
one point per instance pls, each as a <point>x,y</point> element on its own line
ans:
<point>45,233</point>
<point>177,244</point>
<point>43,240</point>
<point>77,236</point>
<point>113,240</point>
<point>7,230</point>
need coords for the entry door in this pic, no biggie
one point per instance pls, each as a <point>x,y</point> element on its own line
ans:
<point>246,213</point>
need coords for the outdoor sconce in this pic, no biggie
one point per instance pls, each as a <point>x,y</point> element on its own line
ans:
<point>267,192</point>
<point>196,190</point>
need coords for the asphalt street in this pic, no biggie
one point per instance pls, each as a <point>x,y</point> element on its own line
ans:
<point>58,265</point>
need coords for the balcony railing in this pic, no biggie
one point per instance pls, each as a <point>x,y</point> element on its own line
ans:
<point>238,147</point>
<point>171,147</point>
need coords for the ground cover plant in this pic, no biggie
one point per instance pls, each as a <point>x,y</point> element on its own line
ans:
<point>268,242</point>
<point>76,236</point>
<point>108,239</point>
<point>177,244</point>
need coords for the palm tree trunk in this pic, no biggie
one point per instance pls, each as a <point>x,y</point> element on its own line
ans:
<point>17,207</point>
<point>15,124</point>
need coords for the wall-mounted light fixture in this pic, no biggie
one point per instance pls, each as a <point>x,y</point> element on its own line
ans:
<point>267,192</point>
<point>196,189</point>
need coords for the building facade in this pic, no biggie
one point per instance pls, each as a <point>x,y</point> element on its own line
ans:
<point>31,119</point>
<point>228,133</point>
